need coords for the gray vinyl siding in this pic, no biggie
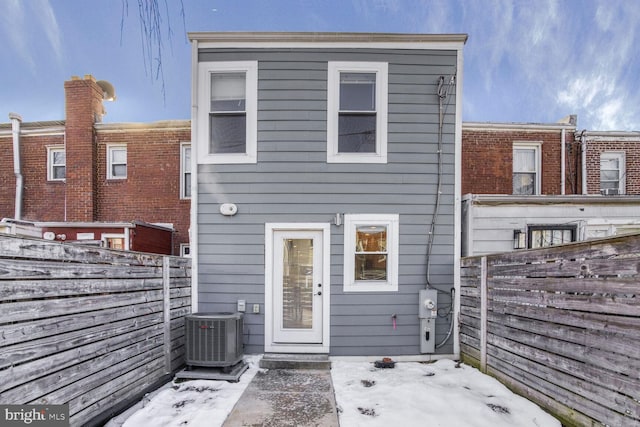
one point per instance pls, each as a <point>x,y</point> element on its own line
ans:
<point>292,182</point>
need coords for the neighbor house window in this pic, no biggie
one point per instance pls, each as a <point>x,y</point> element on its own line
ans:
<point>185,250</point>
<point>612,172</point>
<point>357,112</point>
<point>116,161</point>
<point>115,241</point>
<point>371,252</point>
<point>526,169</point>
<point>541,236</point>
<point>57,164</point>
<point>185,171</point>
<point>228,124</point>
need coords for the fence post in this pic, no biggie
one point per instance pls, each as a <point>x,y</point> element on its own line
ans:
<point>166,293</point>
<point>483,314</point>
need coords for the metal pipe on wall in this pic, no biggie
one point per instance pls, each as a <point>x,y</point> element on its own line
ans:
<point>562,162</point>
<point>583,149</point>
<point>17,164</point>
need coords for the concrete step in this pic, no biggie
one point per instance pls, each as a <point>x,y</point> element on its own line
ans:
<point>295,361</point>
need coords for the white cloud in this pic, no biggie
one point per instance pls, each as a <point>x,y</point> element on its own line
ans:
<point>22,22</point>
<point>49,23</point>
<point>13,25</point>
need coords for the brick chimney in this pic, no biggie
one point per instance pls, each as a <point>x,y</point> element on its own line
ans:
<point>83,109</point>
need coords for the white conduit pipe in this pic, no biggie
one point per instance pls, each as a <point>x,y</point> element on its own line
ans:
<point>17,167</point>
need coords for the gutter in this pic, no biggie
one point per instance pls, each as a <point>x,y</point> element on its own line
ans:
<point>583,149</point>
<point>16,120</point>
<point>562,162</point>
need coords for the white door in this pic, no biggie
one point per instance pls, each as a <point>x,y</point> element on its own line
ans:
<point>297,287</point>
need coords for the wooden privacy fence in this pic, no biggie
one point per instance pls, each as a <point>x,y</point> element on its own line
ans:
<point>86,326</point>
<point>560,326</point>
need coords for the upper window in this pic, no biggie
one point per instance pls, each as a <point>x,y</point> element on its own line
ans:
<point>228,112</point>
<point>185,171</point>
<point>357,112</point>
<point>371,253</point>
<point>117,161</point>
<point>526,169</point>
<point>57,164</point>
<point>612,172</point>
<point>541,236</point>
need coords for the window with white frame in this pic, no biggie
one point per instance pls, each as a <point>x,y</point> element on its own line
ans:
<point>371,243</point>
<point>57,163</point>
<point>115,241</point>
<point>227,127</point>
<point>116,161</point>
<point>185,250</point>
<point>526,169</point>
<point>357,97</point>
<point>612,172</point>
<point>185,171</point>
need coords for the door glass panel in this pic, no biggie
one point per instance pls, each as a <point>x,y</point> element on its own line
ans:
<point>297,283</point>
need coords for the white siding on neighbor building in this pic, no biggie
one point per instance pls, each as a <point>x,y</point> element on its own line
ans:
<point>488,225</point>
<point>292,182</point>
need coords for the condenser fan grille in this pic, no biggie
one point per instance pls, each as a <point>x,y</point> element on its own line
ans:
<point>214,339</point>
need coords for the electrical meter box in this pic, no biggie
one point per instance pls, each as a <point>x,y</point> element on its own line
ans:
<point>428,312</point>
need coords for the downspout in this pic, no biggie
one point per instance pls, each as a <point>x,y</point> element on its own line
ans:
<point>17,165</point>
<point>583,167</point>
<point>562,162</point>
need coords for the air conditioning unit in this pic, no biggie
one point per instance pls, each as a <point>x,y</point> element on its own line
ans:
<point>610,191</point>
<point>214,339</point>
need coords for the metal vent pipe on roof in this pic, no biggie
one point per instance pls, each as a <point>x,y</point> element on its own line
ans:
<point>17,164</point>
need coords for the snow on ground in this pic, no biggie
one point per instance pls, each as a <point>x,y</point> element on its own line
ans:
<point>193,403</point>
<point>443,393</point>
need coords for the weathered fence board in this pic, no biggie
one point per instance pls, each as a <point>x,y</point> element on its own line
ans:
<point>562,326</point>
<point>90,327</point>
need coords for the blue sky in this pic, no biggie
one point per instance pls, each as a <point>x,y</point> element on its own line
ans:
<point>525,61</point>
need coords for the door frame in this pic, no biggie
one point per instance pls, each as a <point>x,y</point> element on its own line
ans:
<point>269,344</point>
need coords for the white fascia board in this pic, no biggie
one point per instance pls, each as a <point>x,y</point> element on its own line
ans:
<point>328,40</point>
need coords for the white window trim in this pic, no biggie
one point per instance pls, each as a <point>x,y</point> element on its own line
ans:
<point>183,147</point>
<point>110,164</point>
<point>251,105</point>
<point>537,146</point>
<point>184,247</point>
<point>620,156</point>
<point>392,222</point>
<point>381,69</point>
<point>50,150</point>
<point>125,236</point>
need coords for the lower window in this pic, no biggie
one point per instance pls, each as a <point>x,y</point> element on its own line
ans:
<point>541,236</point>
<point>371,252</point>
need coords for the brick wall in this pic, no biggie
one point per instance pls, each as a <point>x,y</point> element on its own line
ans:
<point>631,149</point>
<point>151,191</point>
<point>83,109</point>
<point>42,199</point>
<point>7,178</point>
<point>487,160</point>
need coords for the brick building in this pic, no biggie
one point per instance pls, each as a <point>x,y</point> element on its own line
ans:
<point>534,185</point>
<point>612,161</point>
<point>521,158</point>
<point>80,170</point>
